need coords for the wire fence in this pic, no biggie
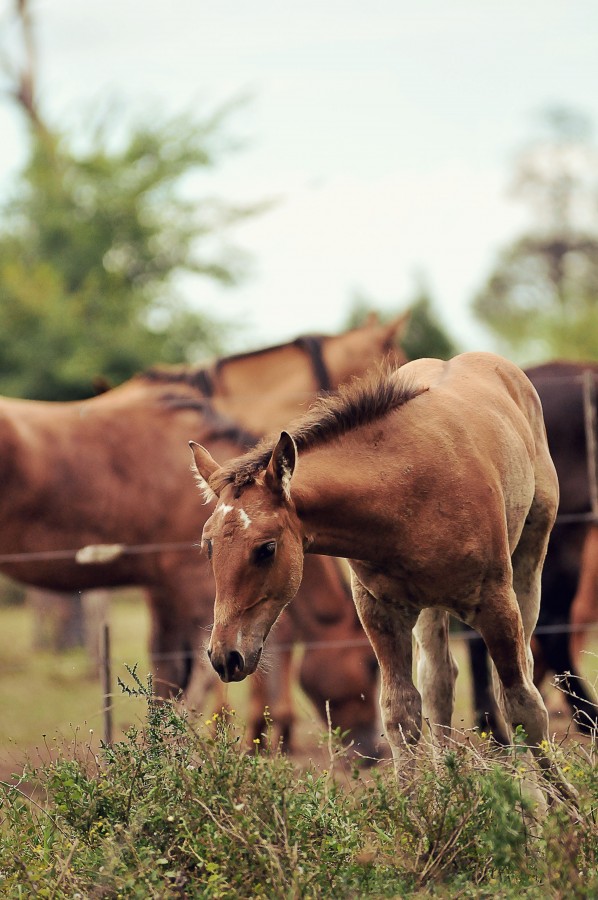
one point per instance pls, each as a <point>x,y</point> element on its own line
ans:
<point>104,554</point>
<point>107,663</point>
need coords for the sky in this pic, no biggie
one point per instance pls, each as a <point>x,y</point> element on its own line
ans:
<point>385,130</point>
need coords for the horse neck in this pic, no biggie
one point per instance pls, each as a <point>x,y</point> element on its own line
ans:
<point>333,503</point>
<point>264,391</point>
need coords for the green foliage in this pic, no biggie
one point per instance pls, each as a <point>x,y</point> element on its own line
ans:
<point>91,247</point>
<point>537,313</point>
<point>425,335</point>
<point>541,299</point>
<point>179,808</point>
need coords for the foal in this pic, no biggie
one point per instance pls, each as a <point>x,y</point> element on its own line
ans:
<point>436,483</point>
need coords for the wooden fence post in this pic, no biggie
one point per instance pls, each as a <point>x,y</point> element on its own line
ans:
<point>106,683</point>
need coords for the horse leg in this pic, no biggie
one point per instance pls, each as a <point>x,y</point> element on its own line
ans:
<point>540,664</point>
<point>282,713</point>
<point>171,651</point>
<point>436,670</point>
<point>257,703</point>
<point>486,714</point>
<point>584,609</point>
<point>500,624</point>
<point>389,629</point>
<point>506,622</point>
<point>273,691</point>
<point>527,560</point>
<point>181,607</point>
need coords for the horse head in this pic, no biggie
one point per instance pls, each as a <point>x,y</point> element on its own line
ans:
<point>354,352</point>
<point>254,541</point>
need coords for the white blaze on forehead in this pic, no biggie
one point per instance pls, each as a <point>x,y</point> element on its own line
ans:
<point>245,520</point>
<point>223,509</point>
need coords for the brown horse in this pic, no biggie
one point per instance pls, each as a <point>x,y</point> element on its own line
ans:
<point>72,477</point>
<point>436,483</point>
<point>568,391</point>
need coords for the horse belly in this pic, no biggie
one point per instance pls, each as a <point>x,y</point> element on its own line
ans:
<point>451,582</point>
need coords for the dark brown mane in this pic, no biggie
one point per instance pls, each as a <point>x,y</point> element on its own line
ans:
<point>217,425</point>
<point>251,354</point>
<point>198,379</point>
<point>202,378</point>
<point>358,403</point>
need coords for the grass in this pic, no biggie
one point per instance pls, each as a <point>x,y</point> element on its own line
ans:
<point>178,809</point>
<point>58,694</point>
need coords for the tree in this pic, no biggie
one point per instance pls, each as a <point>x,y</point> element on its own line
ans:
<point>541,299</point>
<point>92,244</point>
<point>425,335</point>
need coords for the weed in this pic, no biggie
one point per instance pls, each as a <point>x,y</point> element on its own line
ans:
<point>179,808</point>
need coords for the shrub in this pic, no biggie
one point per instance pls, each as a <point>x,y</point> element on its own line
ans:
<point>181,808</point>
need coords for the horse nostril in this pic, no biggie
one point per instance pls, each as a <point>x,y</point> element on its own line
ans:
<point>209,652</point>
<point>220,670</point>
<point>234,663</point>
<point>229,665</point>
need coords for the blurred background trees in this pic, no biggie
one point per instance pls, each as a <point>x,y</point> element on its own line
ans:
<point>425,335</point>
<point>100,232</point>
<point>94,240</point>
<point>541,299</point>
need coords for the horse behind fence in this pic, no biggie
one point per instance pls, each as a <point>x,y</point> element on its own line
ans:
<point>113,470</point>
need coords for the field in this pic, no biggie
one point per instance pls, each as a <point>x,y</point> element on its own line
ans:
<point>59,695</point>
<point>175,809</point>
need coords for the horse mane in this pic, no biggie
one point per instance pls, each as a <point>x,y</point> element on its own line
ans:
<point>198,379</point>
<point>300,342</point>
<point>217,425</point>
<point>202,378</point>
<point>358,403</point>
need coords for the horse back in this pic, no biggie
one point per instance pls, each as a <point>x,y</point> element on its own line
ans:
<point>487,414</point>
<point>565,392</point>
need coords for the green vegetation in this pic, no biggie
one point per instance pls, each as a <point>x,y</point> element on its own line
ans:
<point>97,234</point>
<point>178,808</point>
<point>540,298</point>
<point>58,694</point>
<point>425,335</point>
<point>91,247</point>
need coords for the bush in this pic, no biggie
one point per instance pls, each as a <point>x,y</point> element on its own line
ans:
<point>180,808</point>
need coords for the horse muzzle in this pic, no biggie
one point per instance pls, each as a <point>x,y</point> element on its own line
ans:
<point>231,665</point>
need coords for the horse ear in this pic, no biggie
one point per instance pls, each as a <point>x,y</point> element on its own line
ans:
<point>204,466</point>
<point>282,465</point>
<point>397,328</point>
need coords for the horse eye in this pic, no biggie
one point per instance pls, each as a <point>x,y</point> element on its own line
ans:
<point>208,544</point>
<point>265,552</point>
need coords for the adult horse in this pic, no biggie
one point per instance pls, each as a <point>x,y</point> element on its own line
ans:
<point>568,393</point>
<point>72,477</point>
<point>437,484</point>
